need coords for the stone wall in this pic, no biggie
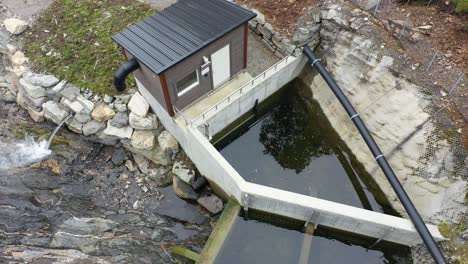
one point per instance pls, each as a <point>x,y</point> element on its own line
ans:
<point>396,111</point>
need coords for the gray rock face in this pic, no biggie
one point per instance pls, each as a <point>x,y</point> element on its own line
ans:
<point>74,106</point>
<point>42,80</point>
<point>149,122</point>
<point>87,104</point>
<point>183,190</point>
<point>55,112</point>
<point>83,117</point>
<point>70,92</point>
<point>111,131</point>
<point>138,105</point>
<point>74,125</point>
<point>120,107</point>
<point>185,172</point>
<point>31,89</point>
<point>168,142</point>
<point>143,140</point>
<point>93,127</point>
<point>212,203</point>
<point>156,155</point>
<point>15,26</point>
<point>35,103</point>
<point>120,120</point>
<point>87,226</point>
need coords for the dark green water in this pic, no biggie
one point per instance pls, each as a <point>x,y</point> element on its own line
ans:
<point>290,145</point>
<point>257,242</point>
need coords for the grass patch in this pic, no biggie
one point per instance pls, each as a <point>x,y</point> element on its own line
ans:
<point>72,40</point>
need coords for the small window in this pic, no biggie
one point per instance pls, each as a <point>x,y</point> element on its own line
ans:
<point>187,83</point>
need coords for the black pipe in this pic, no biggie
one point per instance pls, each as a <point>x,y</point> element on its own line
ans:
<point>381,160</point>
<point>123,72</point>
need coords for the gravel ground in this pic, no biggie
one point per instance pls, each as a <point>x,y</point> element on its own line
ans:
<point>259,57</point>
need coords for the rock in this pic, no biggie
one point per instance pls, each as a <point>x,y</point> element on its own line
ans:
<point>124,132</point>
<point>9,97</point>
<point>87,104</point>
<point>31,89</point>
<point>55,112</point>
<point>87,226</point>
<point>143,140</point>
<point>123,99</point>
<point>212,203</point>
<point>37,116</point>
<point>131,166</point>
<point>108,99</point>
<point>260,17</point>
<point>120,120</point>
<point>142,162</point>
<point>18,58</point>
<point>120,107</point>
<point>74,125</point>
<point>138,105</point>
<point>168,143</point>
<point>35,103</point>
<point>74,106</point>
<point>15,26</point>
<point>119,156</point>
<point>183,190</point>
<point>464,234</point>
<point>45,81</point>
<point>266,31</point>
<point>185,172</point>
<point>143,123</point>
<point>427,27</point>
<point>70,92</point>
<point>59,87</point>
<point>93,127</point>
<point>102,113</point>
<point>156,155</point>
<point>164,179</point>
<point>83,117</point>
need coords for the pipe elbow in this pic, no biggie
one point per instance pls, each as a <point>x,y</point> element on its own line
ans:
<point>123,72</point>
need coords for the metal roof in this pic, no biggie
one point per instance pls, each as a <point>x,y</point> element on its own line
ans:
<point>173,34</point>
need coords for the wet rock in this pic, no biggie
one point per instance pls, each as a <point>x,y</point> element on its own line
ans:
<point>87,226</point>
<point>87,244</point>
<point>185,172</point>
<point>22,254</point>
<point>143,139</point>
<point>124,132</point>
<point>183,190</point>
<point>74,125</point>
<point>143,123</point>
<point>103,113</point>
<point>18,58</point>
<point>131,166</point>
<point>120,120</point>
<point>164,179</point>
<point>176,208</point>
<point>168,142</point>
<point>93,127</point>
<point>15,26</point>
<point>212,203</point>
<point>138,105</point>
<point>31,89</point>
<point>156,155</point>
<point>70,92</point>
<point>119,157</point>
<point>55,112</point>
<point>42,80</point>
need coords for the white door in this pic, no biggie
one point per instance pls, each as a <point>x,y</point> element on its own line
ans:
<point>221,64</point>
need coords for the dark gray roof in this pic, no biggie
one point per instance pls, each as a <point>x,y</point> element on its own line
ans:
<point>167,37</point>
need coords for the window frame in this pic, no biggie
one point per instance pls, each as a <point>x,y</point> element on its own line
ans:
<point>188,88</point>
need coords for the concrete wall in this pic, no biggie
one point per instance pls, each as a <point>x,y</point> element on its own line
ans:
<point>259,89</point>
<point>214,167</point>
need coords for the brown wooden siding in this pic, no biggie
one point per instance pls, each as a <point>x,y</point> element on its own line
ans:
<point>236,41</point>
<point>151,82</point>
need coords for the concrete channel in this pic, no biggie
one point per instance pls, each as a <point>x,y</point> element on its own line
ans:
<point>194,132</point>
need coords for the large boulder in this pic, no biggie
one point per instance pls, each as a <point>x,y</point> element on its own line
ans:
<point>15,26</point>
<point>138,105</point>
<point>55,112</point>
<point>111,131</point>
<point>149,122</point>
<point>184,171</point>
<point>31,89</point>
<point>168,142</point>
<point>102,113</point>
<point>142,139</point>
<point>42,80</point>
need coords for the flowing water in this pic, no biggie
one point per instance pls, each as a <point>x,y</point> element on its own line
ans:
<point>27,151</point>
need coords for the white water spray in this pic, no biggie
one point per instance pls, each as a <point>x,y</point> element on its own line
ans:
<point>27,151</point>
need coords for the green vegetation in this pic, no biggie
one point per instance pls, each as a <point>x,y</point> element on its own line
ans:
<point>455,246</point>
<point>72,40</point>
<point>461,5</point>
